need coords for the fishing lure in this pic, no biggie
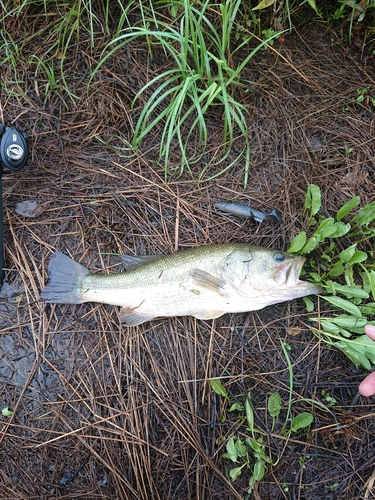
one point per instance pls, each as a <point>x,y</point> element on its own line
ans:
<point>240,210</point>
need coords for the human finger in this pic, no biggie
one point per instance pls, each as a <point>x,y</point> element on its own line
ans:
<point>367,386</point>
<point>370,331</point>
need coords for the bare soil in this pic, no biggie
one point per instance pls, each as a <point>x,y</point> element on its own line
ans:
<point>102,411</point>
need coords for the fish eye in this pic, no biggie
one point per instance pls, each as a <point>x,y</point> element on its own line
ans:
<point>279,257</point>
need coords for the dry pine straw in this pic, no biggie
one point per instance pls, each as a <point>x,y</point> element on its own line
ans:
<point>129,413</point>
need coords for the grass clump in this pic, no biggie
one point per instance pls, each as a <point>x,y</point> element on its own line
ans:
<point>202,77</point>
<point>65,29</point>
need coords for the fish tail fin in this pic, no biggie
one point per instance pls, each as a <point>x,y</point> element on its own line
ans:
<point>65,277</point>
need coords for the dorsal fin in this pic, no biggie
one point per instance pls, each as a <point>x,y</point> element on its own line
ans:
<point>134,261</point>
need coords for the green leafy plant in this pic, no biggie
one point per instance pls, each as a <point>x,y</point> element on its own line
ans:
<point>249,452</point>
<point>351,12</point>
<point>365,97</point>
<point>6,412</point>
<point>341,260</point>
<point>330,400</point>
<point>283,9</point>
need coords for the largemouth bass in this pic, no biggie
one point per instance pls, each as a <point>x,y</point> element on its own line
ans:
<point>204,282</point>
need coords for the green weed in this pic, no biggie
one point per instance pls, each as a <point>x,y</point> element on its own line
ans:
<point>347,275</point>
<point>61,26</point>
<point>365,98</point>
<point>248,449</point>
<point>203,77</point>
<point>351,12</point>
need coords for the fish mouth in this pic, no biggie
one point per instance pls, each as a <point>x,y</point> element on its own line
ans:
<point>294,271</point>
<point>292,278</point>
<point>288,273</point>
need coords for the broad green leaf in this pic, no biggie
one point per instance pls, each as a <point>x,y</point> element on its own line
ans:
<point>249,413</point>
<point>348,207</point>
<point>264,4</point>
<point>6,412</point>
<point>350,322</point>
<point>344,304</point>
<point>326,232</point>
<point>365,215</point>
<point>366,345</point>
<point>329,327</point>
<point>259,470</point>
<point>258,449</point>
<point>361,350</point>
<point>358,257</point>
<point>345,333</point>
<point>329,221</point>
<point>368,309</point>
<point>241,448</point>
<point>234,473</point>
<point>326,228</point>
<point>348,291</point>
<point>313,199</point>
<point>316,277</point>
<point>274,404</point>
<point>231,450</point>
<point>309,304</point>
<point>348,253</point>
<point>298,242</point>
<point>340,229</point>
<point>301,421</point>
<point>311,244</point>
<point>218,387</point>
<point>329,287</point>
<point>337,269</point>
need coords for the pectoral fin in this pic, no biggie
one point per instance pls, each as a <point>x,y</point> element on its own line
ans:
<point>207,280</point>
<point>130,317</point>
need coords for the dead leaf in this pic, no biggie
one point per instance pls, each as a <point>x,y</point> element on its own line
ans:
<point>29,208</point>
<point>280,27</point>
<point>358,9</point>
<point>293,331</point>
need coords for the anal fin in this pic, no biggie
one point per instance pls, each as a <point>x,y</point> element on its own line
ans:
<point>209,314</point>
<point>131,317</point>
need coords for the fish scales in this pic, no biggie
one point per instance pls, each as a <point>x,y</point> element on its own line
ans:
<point>167,284</point>
<point>204,282</point>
